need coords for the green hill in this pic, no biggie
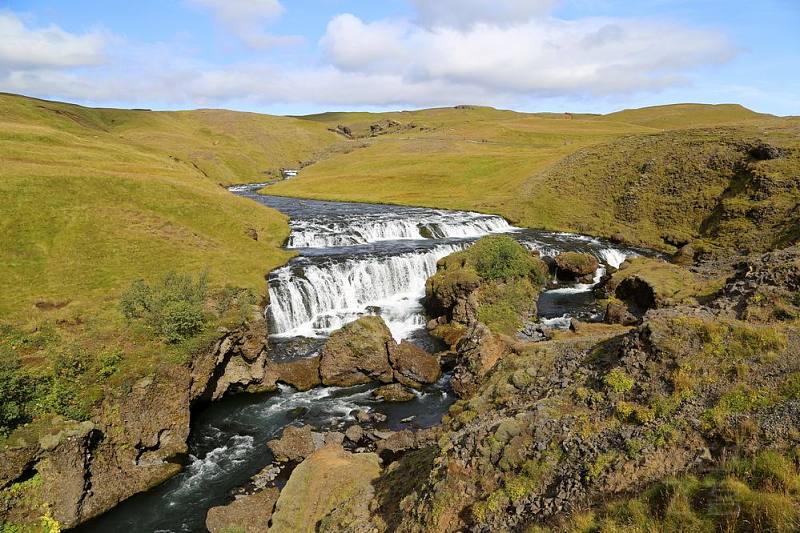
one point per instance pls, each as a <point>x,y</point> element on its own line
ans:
<point>94,199</point>
<point>573,172</point>
<point>97,197</point>
<point>687,115</point>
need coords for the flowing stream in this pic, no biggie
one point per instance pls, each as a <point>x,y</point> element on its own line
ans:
<point>354,259</point>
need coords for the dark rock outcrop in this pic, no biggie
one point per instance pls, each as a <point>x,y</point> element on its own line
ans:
<point>573,265</point>
<point>357,354</point>
<point>412,365</point>
<point>135,440</point>
<point>249,514</point>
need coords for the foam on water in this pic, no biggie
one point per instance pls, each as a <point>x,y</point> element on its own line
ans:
<point>364,229</point>
<point>313,300</point>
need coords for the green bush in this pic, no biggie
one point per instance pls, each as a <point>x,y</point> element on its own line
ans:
<point>501,257</point>
<point>172,309</point>
<point>618,381</point>
<point>17,388</point>
<point>64,392</point>
<point>108,363</point>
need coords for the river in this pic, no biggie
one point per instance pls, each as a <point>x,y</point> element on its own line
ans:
<point>353,259</point>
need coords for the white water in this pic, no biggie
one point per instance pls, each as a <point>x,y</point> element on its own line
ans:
<point>326,297</point>
<point>367,229</point>
<point>614,257</point>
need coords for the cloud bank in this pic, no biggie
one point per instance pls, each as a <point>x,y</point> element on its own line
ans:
<point>449,51</point>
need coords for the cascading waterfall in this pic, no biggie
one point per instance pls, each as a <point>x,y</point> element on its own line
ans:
<point>317,234</point>
<point>313,300</point>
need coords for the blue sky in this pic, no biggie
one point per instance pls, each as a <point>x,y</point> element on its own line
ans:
<point>303,56</point>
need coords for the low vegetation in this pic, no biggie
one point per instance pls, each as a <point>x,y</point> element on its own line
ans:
<point>500,276</point>
<point>760,493</point>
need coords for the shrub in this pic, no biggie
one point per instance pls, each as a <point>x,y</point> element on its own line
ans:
<point>64,391</point>
<point>618,381</point>
<point>109,363</point>
<point>181,320</point>
<point>17,388</point>
<point>501,257</point>
<point>172,309</point>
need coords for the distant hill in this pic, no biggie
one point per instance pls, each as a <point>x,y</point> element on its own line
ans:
<point>687,115</point>
<point>576,172</point>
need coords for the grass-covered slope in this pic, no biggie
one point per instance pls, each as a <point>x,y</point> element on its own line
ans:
<point>659,176</point>
<point>736,187</point>
<point>464,157</point>
<point>94,199</point>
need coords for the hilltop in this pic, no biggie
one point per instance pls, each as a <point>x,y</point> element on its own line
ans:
<point>598,174</point>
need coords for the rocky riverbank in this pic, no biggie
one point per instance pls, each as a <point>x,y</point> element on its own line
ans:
<point>689,410</point>
<point>75,471</point>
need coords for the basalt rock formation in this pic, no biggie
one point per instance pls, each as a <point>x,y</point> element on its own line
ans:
<point>134,442</point>
<point>707,381</point>
<point>364,351</point>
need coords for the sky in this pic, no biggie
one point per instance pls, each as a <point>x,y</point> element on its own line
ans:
<point>307,56</point>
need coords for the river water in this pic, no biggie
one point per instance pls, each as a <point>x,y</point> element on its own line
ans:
<point>353,259</point>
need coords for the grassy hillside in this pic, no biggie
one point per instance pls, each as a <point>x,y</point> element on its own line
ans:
<point>94,199</point>
<point>470,157</point>
<point>687,115</point>
<point>659,176</point>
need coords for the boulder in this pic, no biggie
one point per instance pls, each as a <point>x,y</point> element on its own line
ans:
<point>412,365</point>
<point>354,433</point>
<point>395,392</point>
<point>361,416</point>
<point>617,313</point>
<point>576,326</point>
<point>295,444</point>
<point>357,354</point>
<point>302,374</point>
<point>684,256</point>
<point>476,354</point>
<point>573,265</point>
<point>249,514</point>
<point>331,487</point>
<point>252,233</point>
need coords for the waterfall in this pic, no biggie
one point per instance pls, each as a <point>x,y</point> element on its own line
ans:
<point>313,300</point>
<point>614,257</point>
<point>435,225</point>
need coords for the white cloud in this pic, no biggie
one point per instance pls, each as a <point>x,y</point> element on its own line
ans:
<point>465,13</point>
<point>22,47</point>
<point>392,62</point>
<point>246,19</point>
<point>543,55</point>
